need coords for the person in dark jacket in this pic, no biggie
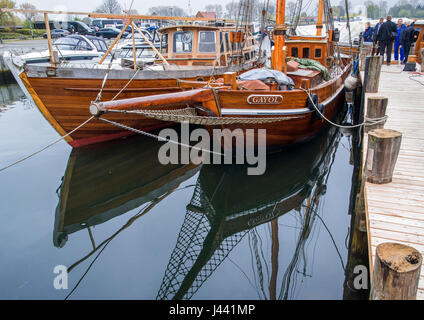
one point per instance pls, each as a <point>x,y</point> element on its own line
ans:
<point>407,39</point>
<point>398,46</point>
<point>369,32</point>
<point>388,33</point>
<point>377,35</point>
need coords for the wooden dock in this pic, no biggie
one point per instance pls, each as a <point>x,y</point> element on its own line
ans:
<point>395,211</point>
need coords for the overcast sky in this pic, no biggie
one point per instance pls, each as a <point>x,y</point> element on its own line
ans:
<point>142,6</point>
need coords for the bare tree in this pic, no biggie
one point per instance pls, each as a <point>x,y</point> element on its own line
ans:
<point>109,6</point>
<point>167,11</point>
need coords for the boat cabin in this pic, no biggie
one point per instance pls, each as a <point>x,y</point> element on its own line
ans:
<point>196,45</point>
<point>308,47</point>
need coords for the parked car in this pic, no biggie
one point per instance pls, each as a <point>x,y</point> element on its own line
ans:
<point>57,33</point>
<point>109,33</point>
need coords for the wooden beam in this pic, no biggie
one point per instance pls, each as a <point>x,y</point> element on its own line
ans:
<point>151,44</point>
<point>49,38</point>
<point>115,41</point>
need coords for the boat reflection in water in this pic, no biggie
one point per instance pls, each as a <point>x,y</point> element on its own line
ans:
<point>227,205</point>
<point>104,181</point>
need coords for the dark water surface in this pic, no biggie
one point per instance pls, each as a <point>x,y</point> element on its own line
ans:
<point>131,228</point>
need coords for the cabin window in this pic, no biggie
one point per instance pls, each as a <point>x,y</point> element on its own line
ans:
<point>183,42</point>
<point>318,53</point>
<point>305,53</point>
<point>295,52</point>
<point>164,43</point>
<point>207,41</point>
<point>227,42</point>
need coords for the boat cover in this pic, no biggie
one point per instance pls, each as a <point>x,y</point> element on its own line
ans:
<point>263,74</point>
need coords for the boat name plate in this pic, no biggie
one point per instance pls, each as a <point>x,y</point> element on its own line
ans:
<point>264,99</point>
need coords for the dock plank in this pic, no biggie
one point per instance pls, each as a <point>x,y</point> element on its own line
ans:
<point>395,211</point>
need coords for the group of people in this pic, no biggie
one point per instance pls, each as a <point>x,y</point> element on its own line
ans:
<point>386,33</point>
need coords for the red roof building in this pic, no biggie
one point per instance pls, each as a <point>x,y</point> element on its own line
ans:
<point>207,15</point>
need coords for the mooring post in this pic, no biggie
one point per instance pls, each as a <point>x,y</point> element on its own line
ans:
<point>382,154</point>
<point>373,66</point>
<point>366,50</point>
<point>376,109</point>
<point>397,270</point>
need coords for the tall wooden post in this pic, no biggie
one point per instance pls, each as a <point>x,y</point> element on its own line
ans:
<point>279,35</point>
<point>376,108</point>
<point>320,17</point>
<point>373,66</point>
<point>382,154</point>
<point>396,272</point>
<point>49,38</point>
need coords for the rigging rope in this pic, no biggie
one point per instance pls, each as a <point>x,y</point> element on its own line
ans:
<point>189,115</point>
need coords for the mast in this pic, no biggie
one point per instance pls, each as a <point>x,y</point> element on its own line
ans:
<point>279,36</point>
<point>320,17</point>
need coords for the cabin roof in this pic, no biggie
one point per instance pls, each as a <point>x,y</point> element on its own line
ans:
<point>187,27</point>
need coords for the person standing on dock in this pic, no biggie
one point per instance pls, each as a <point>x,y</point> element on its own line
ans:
<point>407,39</point>
<point>388,33</point>
<point>377,35</point>
<point>369,33</point>
<point>398,45</point>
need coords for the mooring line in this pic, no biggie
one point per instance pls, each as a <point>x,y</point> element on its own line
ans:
<point>367,122</point>
<point>48,146</point>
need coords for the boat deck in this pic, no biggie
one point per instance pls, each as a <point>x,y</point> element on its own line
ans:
<point>395,211</point>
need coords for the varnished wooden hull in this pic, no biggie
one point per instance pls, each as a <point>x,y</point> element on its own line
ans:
<point>65,97</point>
<point>296,128</point>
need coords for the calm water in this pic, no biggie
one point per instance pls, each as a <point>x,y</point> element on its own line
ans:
<point>130,228</point>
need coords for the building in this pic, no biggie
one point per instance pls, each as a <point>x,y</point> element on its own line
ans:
<point>207,15</point>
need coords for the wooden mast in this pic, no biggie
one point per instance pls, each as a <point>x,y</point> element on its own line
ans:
<point>320,17</point>
<point>279,36</point>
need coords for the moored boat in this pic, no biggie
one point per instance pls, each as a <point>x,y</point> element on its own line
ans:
<point>63,92</point>
<point>293,103</point>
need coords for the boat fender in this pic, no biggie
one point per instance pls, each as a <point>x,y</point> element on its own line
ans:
<point>313,100</point>
<point>321,108</point>
<point>351,83</point>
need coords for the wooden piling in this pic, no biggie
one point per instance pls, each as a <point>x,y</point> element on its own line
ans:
<point>396,272</point>
<point>373,66</point>
<point>382,154</point>
<point>366,50</point>
<point>376,108</point>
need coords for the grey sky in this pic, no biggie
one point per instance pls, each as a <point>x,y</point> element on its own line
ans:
<point>141,5</point>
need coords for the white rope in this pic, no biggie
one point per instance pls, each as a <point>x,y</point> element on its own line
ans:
<point>367,122</point>
<point>151,135</point>
<point>48,146</point>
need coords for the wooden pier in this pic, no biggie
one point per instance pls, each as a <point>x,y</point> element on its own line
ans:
<point>395,211</point>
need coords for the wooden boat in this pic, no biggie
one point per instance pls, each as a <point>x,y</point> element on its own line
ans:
<point>106,180</point>
<point>289,115</point>
<point>64,91</point>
